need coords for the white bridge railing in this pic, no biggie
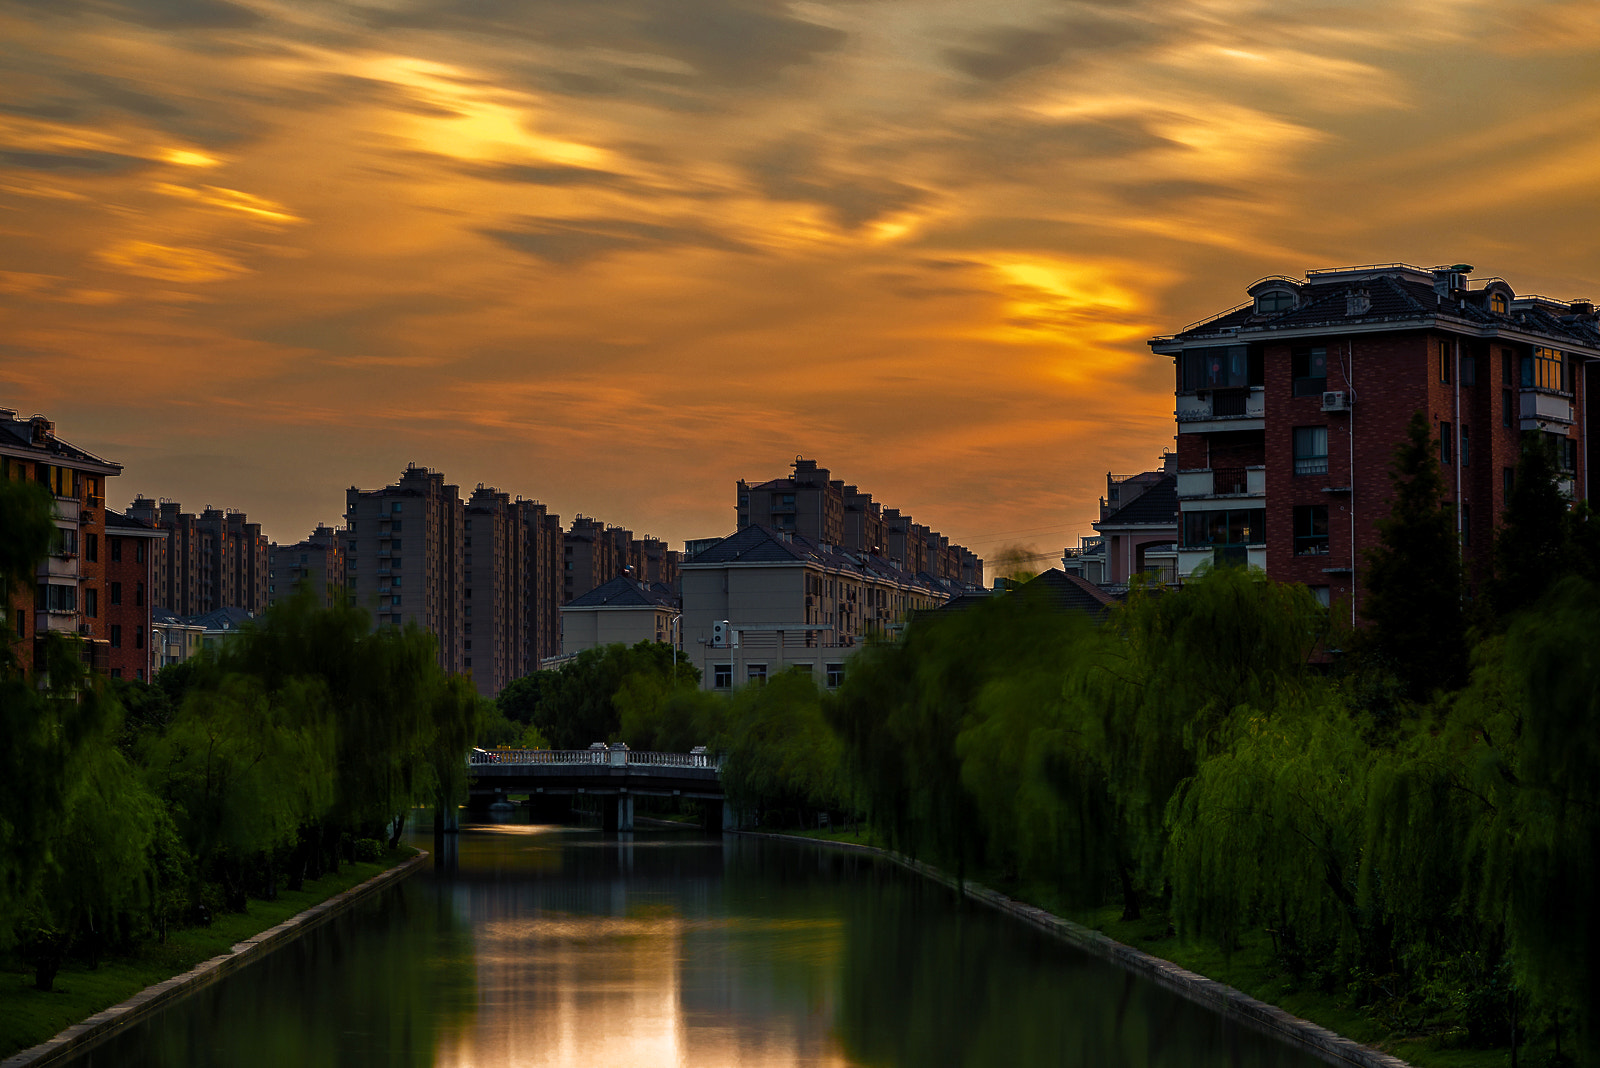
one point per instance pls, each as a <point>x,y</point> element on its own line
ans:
<point>613,755</point>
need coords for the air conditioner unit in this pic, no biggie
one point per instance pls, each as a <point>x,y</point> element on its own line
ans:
<point>721,635</point>
<point>1336,400</point>
<point>83,629</point>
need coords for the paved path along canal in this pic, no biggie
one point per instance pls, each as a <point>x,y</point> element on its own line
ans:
<point>566,946</point>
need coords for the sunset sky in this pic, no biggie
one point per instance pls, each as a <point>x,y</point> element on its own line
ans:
<point>616,254</point>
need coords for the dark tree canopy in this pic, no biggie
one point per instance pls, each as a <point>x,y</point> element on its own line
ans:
<point>1413,580</point>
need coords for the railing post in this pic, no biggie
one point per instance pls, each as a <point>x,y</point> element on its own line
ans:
<point>619,754</point>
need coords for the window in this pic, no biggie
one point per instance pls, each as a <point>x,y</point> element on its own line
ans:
<point>1497,303</point>
<point>1310,450</point>
<point>756,672</point>
<point>1310,370</point>
<point>138,594</point>
<point>1274,301</point>
<point>116,635</point>
<point>1444,361</point>
<point>1466,446</point>
<point>138,673</point>
<point>1445,430</point>
<point>395,563</point>
<point>468,662</point>
<point>395,581</point>
<point>91,603</point>
<point>57,598</point>
<point>467,610</point>
<point>116,673</point>
<point>468,593</point>
<point>1224,526</point>
<point>91,547</point>
<point>1466,523</point>
<point>116,593</point>
<point>1219,367</point>
<point>1508,481</point>
<point>1320,593</point>
<point>138,551</point>
<point>1507,372</point>
<point>469,645</point>
<point>115,545</point>
<point>395,600</point>
<point>1508,407</point>
<point>1544,370</point>
<point>835,675</point>
<point>1311,530</point>
<point>138,637</point>
<point>722,676</point>
<point>467,562</point>
<point>395,545</point>
<point>397,509</point>
<point>1566,454</point>
<point>63,542</point>
<point>1469,370</point>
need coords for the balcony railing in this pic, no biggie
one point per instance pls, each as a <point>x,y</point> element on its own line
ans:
<point>1221,404</point>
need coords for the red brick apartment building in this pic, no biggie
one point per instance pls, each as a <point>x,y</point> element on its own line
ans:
<point>97,582</point>
<point>1290,407</point>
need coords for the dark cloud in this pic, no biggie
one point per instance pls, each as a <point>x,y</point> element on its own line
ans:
<point>549,175</point>
<point>157,14</point>
<point>123,94</point>
<point>80,162</point>
<point>1156,194</point>
<point>736,44</point>
<point>728,43</point>
<point>1018,145</point>
<point>1004,53</point>
<point>791,171</point>
<point>576,241</point>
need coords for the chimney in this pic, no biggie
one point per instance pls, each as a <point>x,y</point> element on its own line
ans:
<point>1357,301</point>
<point>43,431</point>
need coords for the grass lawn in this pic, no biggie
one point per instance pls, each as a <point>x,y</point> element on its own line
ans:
<point>29,1016</point>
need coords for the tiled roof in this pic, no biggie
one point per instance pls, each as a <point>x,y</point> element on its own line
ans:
<point>17,434</point>
<point>229,618</point>
<point>1155,506</point>
<point>757,544</point>
<point>622,592</point>
<point>1070,592</point>
<point>1397,297</point>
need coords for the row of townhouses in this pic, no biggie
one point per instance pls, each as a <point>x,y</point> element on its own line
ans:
<point>1289,408</point>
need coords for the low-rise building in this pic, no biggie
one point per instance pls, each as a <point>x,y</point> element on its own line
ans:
<point>623,610</point>
<point>763,600</point>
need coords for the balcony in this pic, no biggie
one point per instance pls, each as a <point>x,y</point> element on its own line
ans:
<point>1221,405</point>
<point>60,566</point>
<point>1541,407</point>
<point>1223,482</point>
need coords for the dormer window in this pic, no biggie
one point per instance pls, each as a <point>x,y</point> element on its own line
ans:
<point>1498,304</point>
<point>1274,301</point>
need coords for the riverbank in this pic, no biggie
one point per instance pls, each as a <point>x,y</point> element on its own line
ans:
<point>38,1028</point>
<point>1227,1000</point>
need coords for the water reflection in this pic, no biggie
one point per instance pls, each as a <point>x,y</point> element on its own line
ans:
<point>551,946</point>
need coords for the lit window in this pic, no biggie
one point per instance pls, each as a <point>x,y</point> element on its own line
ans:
<point>1497,303</point>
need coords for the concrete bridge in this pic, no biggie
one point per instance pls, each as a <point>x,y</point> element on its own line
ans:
<point>614,774</point>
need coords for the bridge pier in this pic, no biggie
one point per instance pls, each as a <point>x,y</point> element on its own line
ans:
<point>616,813</point>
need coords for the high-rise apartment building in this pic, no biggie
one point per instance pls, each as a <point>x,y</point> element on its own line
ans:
<point>404,547</point>
<point>316,563</point>
<point>543,576</point>
<point>825,510</point>
<point>1290,408</point>
<point>495,589</point>
<point>217,559</point>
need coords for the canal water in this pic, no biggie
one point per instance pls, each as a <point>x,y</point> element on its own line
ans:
<point>549,946</point>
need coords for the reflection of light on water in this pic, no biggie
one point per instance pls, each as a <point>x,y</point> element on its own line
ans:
<point>641,989</point>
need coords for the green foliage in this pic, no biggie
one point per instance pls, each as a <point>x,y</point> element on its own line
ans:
<point>781,759</point>
<point>1542,537</point>
<point>585,700</point>
<point>1413,578</point>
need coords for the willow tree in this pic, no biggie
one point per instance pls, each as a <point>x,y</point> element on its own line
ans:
<point>1181,669</point>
